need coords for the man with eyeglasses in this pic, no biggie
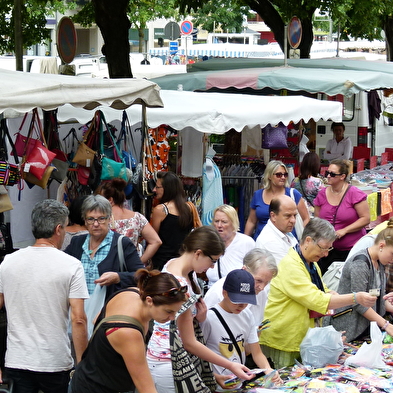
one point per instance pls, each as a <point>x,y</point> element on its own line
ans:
<point>276,237</point>
<point>339,146</point>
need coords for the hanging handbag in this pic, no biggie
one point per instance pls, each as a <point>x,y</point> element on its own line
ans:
<point>40,157</point>
<point>9,173</point>
<point>115,168</point>
<point>22,142</point>
<point>275,137</point>
<point>5,200</point>
<point>43,182</point>
<point>85,153</point>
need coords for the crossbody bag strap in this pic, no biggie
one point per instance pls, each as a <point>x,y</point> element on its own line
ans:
<point>232,337</point>
<point>335,214</point>
<point>120,252</point>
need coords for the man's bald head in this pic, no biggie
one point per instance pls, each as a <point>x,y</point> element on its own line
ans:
<point>283,213</point>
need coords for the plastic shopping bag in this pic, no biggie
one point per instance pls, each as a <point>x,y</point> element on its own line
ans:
<point>321,346</point>
<point>93,306</point>
<point>369,355</point>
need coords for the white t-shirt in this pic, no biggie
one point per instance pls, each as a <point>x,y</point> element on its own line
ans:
<point>214,296</point>
<point>232,258</point>
<point>218,340</point>
<point>37,283</point>
<point>273,240</point>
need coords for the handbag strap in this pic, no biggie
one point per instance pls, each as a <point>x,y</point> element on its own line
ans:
<point>6,132</point>
<point>342,198</point>
<point>232,337</point>
<point>120,251</point>
<point>112,138</point>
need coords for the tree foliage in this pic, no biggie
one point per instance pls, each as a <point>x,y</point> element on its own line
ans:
<point>33,19</point>
<point>221,14</point>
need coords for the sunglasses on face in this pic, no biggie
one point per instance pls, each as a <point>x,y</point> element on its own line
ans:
<point>332,174</point>
<point>172,292</point>
<point>280,174</point>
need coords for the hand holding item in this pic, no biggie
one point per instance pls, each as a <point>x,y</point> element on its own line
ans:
<point>365,299</point>
<point>108,278</point>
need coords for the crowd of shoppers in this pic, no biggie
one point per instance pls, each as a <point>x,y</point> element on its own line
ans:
<point>151,272</point>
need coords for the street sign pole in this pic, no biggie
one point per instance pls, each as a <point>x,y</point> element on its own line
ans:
<point>186,28</point>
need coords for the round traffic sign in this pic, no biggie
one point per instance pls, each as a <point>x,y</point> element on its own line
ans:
<point>295,32</point>
<point>172,31</point>
<point>66,40</point>
<point>186,27</point>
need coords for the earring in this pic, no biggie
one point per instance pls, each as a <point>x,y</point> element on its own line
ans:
<point>305,248</point>
<point>380,250</point>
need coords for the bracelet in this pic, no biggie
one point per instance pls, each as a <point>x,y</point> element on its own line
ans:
<point>386,324</point>
<point>354,298</point>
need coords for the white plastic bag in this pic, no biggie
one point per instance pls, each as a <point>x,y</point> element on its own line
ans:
<point>321,346</point>
<point>93,306</point>
<point>369,355</point>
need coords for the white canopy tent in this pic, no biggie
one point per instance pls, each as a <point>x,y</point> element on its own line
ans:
<point>21,92</point>
<point>217,113</point>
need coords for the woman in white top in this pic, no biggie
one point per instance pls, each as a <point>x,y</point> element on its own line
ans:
<point>200,250</point>
<point>237,245</point>
<point>127,222</point>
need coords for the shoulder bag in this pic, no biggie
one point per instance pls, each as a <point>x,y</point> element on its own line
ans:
<point>342,198</point>
<point>190,373</point>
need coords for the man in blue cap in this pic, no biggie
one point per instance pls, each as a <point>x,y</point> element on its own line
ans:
<point>229,329</point>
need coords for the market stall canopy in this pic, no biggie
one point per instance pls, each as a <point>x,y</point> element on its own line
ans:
<point>298,79</point>
<point>23,91</point>
<point>217,113</point>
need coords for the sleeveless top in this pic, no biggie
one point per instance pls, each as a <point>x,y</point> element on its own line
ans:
<point>172,237</point>
<point>102,369</point>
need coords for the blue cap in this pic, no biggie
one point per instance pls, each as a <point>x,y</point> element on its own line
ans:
<point>240,285</point>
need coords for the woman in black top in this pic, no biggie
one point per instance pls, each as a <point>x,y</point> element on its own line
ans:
<point>115,359</point>
<point>172,218</point>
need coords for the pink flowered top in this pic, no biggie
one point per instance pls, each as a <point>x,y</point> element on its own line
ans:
<point>131,227</point>
<point>159,347</point>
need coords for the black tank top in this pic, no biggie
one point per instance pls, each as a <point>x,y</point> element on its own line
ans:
<point>102,369</point>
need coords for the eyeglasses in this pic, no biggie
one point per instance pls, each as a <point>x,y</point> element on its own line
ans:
<point>172,292</point>
<point>158,187</point>
<point>213,260</point>
<point>100,220</point>
<point>332,174</point>
<point>280,174</point>
<point>324,249</point>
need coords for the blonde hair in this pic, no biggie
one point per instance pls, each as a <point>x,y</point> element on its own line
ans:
<point>231,213</point>
<point>268,173</point>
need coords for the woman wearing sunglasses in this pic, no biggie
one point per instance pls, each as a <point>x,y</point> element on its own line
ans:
<point>298,298</point>
<point>345,207</point>
<point>115,360</point>
<point>275,183</point>
<point>200,251</point>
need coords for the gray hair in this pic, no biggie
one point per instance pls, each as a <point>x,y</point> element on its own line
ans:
<point>258,258</point>
<point>319,229</point>
<point>96,202</point>
<point>46,216</point>
<point>231,213</point>
<point>268,173</point>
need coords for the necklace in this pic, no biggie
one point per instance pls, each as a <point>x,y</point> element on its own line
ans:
<point>44,244</point>
<point>337,192</point>
<point>93,249</point>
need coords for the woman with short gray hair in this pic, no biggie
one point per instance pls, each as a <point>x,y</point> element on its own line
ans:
<point>262,265</point>
<point>298,298</point>
<point>98,250</point>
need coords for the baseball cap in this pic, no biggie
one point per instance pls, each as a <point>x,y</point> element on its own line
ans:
<point>240,285</point>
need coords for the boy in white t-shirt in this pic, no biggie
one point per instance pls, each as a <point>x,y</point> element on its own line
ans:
<point>238,292</point>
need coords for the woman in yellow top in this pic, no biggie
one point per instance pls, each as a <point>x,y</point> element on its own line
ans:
<point>298,297</point>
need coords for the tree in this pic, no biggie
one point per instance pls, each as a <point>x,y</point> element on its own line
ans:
<point>226,15</point>
<point>114,19</point>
